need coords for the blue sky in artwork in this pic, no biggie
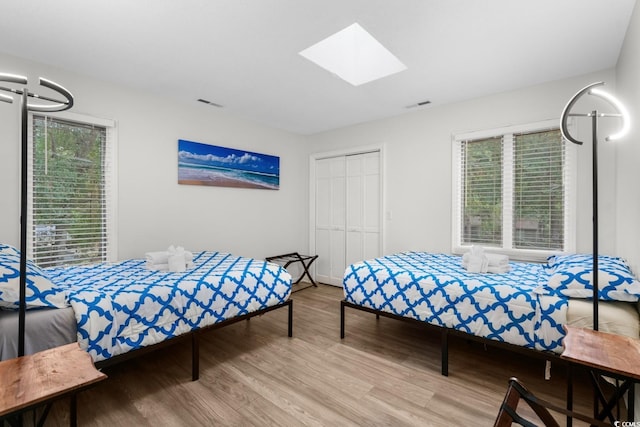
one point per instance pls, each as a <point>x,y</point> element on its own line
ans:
<point>196,153</point>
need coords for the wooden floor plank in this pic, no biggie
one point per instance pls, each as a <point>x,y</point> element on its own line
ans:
<point>384,373</point>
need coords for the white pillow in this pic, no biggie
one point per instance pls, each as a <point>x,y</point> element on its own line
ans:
<point>571,275</point>
<point>40,290</point>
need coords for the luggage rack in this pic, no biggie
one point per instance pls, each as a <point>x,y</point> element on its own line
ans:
<point>293,257</point>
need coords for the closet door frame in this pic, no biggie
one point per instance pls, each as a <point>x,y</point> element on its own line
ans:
<point>312,190</point>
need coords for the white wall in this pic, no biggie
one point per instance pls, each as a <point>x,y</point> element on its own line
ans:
<point>628,149</point>
<point>153,210</point>
<point>418,161</point>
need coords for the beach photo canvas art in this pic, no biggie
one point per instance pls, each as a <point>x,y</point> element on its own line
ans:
<point>203,164</point>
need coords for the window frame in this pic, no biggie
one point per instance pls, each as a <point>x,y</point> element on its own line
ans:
<point>570,190</point>
<point>110,175</point>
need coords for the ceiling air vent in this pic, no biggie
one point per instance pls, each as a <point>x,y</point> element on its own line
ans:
<point>419,104</point>
<point>204,101</point>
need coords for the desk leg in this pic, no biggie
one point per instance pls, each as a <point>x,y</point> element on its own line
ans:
<point>631,400</point>
<point>73,416</point>
<point>569,394</point>
<point>45,414</point>
<point>599,396</point>
<point>613,402</point>
<point>597,391</point>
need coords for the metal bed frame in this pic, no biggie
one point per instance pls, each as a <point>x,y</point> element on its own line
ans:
<point>195,339</point>
<point>446,333</point>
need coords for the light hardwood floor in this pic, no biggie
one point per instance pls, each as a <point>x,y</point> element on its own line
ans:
<point>384,373</point>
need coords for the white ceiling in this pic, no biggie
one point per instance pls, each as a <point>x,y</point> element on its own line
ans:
<point>243,54</point>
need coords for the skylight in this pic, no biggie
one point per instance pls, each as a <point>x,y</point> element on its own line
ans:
<point>354,55</point>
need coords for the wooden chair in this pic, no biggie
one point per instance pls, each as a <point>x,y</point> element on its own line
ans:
<point>515,392</point>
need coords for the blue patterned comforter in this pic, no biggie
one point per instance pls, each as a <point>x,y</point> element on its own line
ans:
<point>124,306</point>
<point>435,288</point>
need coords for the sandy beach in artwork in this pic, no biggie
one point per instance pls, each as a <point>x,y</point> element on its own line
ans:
<point>189,175</point>
<point>224,182</point>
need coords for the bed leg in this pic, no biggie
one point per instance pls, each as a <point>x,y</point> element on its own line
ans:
<point>195,356</point>
<point>341,319</point>
<point>445,353</point>
<point>290,331</point>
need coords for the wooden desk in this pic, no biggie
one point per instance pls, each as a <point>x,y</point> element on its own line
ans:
<point>607,354</point>
<point>41,378</point>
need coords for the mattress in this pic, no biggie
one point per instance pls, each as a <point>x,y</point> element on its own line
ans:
<point>615,317</point>
<point>124,306</point>
<point>435,288</point>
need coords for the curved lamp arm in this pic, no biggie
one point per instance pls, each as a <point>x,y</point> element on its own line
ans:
<point>612,100</point>
<point>624,114</point>
<point>13,78</point>
<point>6,98</point>
<point>565,113</point>
<point>59,105</point>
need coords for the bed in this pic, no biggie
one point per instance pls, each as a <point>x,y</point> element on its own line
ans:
<point>115,310</point>
<point>524,309</point>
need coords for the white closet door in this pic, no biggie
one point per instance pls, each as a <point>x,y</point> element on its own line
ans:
<point>363,207</point>
<point>348,213</point>
<point>330,220</point>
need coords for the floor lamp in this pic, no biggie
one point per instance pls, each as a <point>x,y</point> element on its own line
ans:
<point>620,113</point>
<point>49,105</point>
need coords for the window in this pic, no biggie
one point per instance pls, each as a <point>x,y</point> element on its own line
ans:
<point>70,191</point>
<point>512,191</point>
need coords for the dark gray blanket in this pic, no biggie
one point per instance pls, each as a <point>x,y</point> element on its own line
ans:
<point>45,328</point>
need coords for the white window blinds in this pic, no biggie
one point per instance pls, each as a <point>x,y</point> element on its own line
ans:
<point>538,190</point>
<point>482,192</point>
<point>70,192</point>
<point>511,191</point>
